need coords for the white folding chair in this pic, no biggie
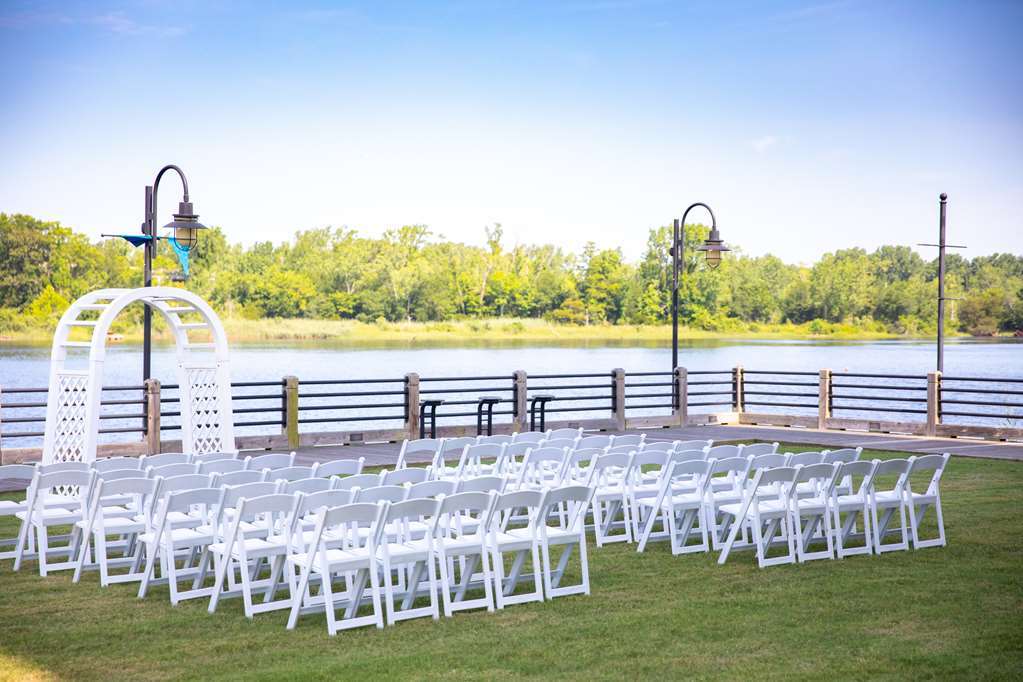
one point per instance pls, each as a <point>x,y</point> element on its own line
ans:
<point>165,542</point>
<point>765,508</point>
<point>409,475</point>
<point>446,452</point>
<point>426,448</point>
<point>843,455</point>
<point>769,460</point>
<point>512,458</point>
<point>273,460</point>
<point>170,470</point>
<point>811,518</point>
<point>854,504</point>
<point>20,475</point>
<point>338,548</point>
<point>757,449</point>
<point>100,523</point>
<point>644,481</point>
<point>409,552</point>
<point>459,532</point>
<point>472,461</point>
<point>542,468</point>
<point>886,501</point>
<point>567,508</point>
<point>609,477</point>
<point>577,468</point>
<point>635,440</point>
<point>681,512</point>
<point>520,541</point>
<point>919,503</point>
<point>727,485</point>
<point>341,467</point>
<point>43,511</point>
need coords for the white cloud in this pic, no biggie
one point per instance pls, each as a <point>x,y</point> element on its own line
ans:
<point>762,144</point>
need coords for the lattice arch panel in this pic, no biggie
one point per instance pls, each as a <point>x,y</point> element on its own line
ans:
<point>203,373</point>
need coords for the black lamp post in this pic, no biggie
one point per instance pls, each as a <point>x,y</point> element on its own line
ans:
<point>184,236</point>
<point>713,247</point>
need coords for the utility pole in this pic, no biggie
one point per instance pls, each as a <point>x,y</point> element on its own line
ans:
<point>942,245</point>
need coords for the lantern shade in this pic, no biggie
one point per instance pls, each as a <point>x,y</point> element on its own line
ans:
<point>185,227</point>
<point>713,247</point>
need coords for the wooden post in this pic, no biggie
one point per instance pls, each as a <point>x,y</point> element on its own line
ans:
<point>520,414</point>
<point>618,397</point>
<point>933,403</point>
<point>738,390</point>
<point>824,399</point>
<point>412,406</point>
<point>152,398</point>
<point>290,428</point>
<point>681,408</point>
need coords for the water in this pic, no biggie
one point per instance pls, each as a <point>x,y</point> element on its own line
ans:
<point>28,365</point>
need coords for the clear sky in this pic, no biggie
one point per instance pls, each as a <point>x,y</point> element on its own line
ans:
<point>808,126</point>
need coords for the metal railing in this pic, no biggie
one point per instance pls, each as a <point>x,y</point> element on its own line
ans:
<point>982,398</point>
<point>776,389</point>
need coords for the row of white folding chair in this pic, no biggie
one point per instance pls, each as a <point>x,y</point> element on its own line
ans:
<point>354,541</point>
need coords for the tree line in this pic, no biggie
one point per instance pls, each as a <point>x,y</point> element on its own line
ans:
<point>411,273</point>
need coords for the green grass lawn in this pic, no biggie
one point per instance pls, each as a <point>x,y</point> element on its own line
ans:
<point>944,612</point>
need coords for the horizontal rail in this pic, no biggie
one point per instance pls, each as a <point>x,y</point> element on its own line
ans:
<point>990,391</point>
<point>811,407</point>
<point>566,387</point>
<point>348,394</point>
<point>873,387</point>
<point>486,378</point>
<point>865,408</point>
<point>783,395</point>
<point>921,377</point>
<point>780,373</point>
<point>981,402</point>
<point>984,415</point>
<point>879,397</point>
<point>780,383</point>
<point>569,376</point>
<point>1004,381</point>
<point>310,408</point>
<point>367,418</point>
<point>326,382</point>
<point>435,391</point>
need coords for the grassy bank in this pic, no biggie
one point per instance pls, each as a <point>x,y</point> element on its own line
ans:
<point>276,329</point>
<point>953,612</point>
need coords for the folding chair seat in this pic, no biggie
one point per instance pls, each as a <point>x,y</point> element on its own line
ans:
<point>811,517</point>
<point>757,449</point>
<point>422,450</point>
<point>472,462</point>
<point>307,486</point>
<point>598,442</point>
<point>164,543</point>
<point>341,467</point>
<point>171,470</point>
<point>21,475</point>
<point>854,505</point>
<point>238,477</point>
<point>681,512</point>
<point>609,477</point>
<point>273,460</point>
<point>244,552</point>
<point>542,468</point>
<point>919,503</point>
<point>765,508</point>
<point>567,507</point>
<point>354,558</point>
<point>117,463</point>
<point>482,484</point>
<point>886,501</point>
<point>499,439</point>
<point>560,443</point>
<point>99,524</point>
<point>407,475</point>
<point>521,542</point>
<point>222,466</point>
<point>529,437</point>
<point>293,473</point>
<point>727,485</point>
<point>42,512</point>
<point>358,481</point>
<point>146,461</point>
<point>570,434</point>
<point>459,532</point>
<point>408,550</point>
<point>635,440</point>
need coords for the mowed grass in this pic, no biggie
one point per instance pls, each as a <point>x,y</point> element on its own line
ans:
<point>944,612</point>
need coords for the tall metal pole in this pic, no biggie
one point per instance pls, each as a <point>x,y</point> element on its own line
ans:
<point>941,282</point>
<point>676,246</point>
<point>148,228</point>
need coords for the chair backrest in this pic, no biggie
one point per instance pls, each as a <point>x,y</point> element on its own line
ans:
<point>649,459</point>
<point>248,490</point>
<point>273,460</point>
<point>451,445</point>
<point>724,451</point>
<point>455,509</point>
<point>239,477</point>
<point>688,456</point>
<point>500,439</point>
<point>341,467</point>
<point>482,484</point>
<point>629,449</point>
<point>428,446</point>
<point>18,472</point>
<point>184,500</point>
<point>692,444</point>
<point>804,459</point>
<point>518,449</point>
<point>63,482</point>
<point>381,493</point>
<point>168,470</point>
<point>519,499</point>
<point>141,489</point>
<point>660,446</point>
<point>571,434</point>
<point>164,459</point>
<point>63,466</point>
<point>274,511</point>
<point>784,477</point>
<point>566,507</point>
<point>633,439</point>
<point>927,464</point>
<point>186,482</point>
<point>411,509</point>
<point>899,468</point>
<point>312,503</point>
<point>118,474</point>
<point>117,463</point>
<point>731,471</point>
<point>599,442</point>
<point>426,489</point>
<point>843,455</point>
<point>542,465</point>
<point>856,474</point>
<point>402,476</point>
<point>222,466</point>
<point>767,461</point>
<point>610,469</point>
<point>757,449</point>
<point>822,476</point>
<point>697,470</point>
<point>215,457</point>
<point>358,481</point>
<point>471,461</point>
<point>307,486</point>
<point>344,523</point>
<point>568,443</point>
<point>294,473</point>
<point>529,437</point>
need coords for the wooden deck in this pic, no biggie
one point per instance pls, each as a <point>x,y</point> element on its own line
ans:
<point>384,454</point>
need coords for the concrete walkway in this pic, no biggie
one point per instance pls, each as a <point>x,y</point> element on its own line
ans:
<point>384,454</point>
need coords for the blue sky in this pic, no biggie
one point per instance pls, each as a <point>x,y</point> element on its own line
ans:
<point>808,126</point>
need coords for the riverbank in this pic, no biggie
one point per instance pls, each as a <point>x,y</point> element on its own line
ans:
<point>500,329</point>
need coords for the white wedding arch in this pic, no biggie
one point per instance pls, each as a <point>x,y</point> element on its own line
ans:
<point>203,372</point>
